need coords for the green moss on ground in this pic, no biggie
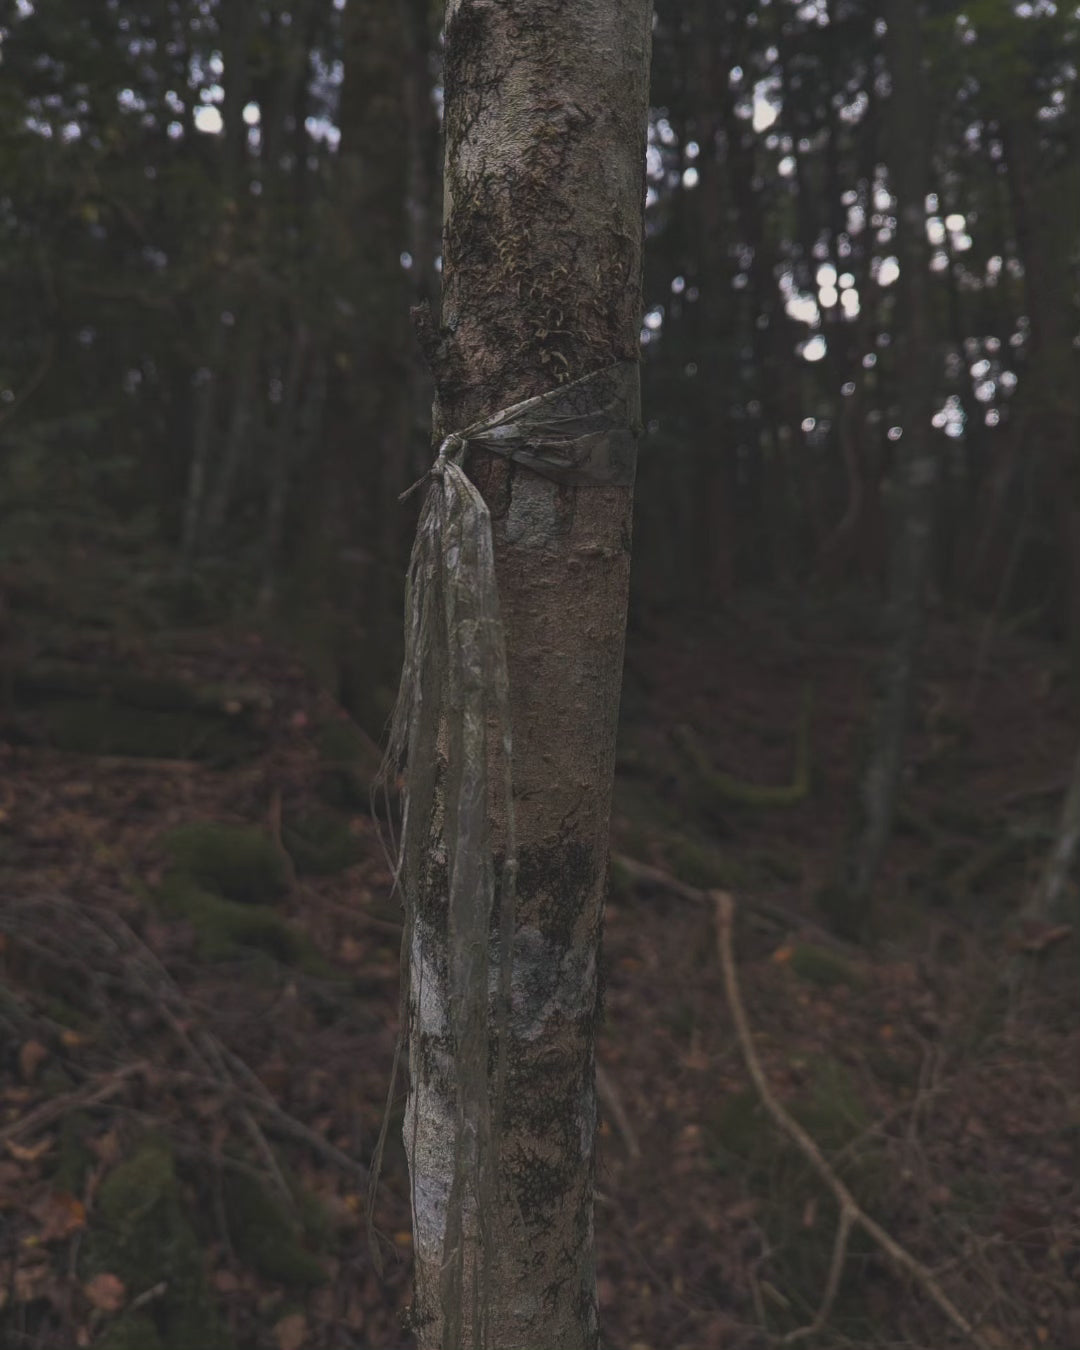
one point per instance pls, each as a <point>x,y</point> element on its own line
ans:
<point>265,1237</point>
<point>826,969</point>
<point>74,1159</point>
<point>224,927</point>
<point>349,765</point>
<point>133,1332</point>
<point>698,865</point>
<point>782,866</point>
<point>320,843</point>
<point>799,1213</point>
<point>141,1234</point>
<point>239,862</point>
<point>97,727</point>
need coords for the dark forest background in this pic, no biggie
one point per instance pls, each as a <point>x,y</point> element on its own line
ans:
<point>215,219</point>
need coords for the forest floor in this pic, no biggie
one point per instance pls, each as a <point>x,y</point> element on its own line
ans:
<point>199,1003</point>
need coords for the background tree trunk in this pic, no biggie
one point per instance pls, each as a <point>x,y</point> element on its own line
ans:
<point>915,474</point>
<point>545,146</point>
<point>1049,901</point>
<point>358,529</point>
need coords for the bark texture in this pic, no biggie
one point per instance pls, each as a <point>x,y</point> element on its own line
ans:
<point>545,141</point>
<point>916,473</point>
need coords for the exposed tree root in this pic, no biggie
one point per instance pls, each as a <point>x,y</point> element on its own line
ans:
<point>850,1211</point>
<point>723,790</point>
<point>776,917</point>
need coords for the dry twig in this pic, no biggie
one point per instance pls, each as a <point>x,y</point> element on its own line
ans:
<point>850,1211</point>
<point>609,1093</point>
<point>642,874</point>
<point>91,1094</point>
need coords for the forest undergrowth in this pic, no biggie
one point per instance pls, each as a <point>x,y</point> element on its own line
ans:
<point>199,1002</point>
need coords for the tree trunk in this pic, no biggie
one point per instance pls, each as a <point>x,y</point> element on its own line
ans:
<point>1044,209</point>
<point>355,534</point>
<point>1049,901</point>
<point>916,475</point>
<point>544,193</point>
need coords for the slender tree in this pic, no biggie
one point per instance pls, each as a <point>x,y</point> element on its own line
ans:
<point>351,536</point>
<point>915,471</point>
<point>545,119</point>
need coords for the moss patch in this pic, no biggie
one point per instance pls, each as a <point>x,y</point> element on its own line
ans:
<point>74,1159</point>
<point>94,727</point>
<point>350,762</point>
<point>800,1214</point>
<point>826,969</point>
<point>141,1234</point>
<point>265,1238</point>
<point>321,843</point>
<point>135,1332</point>
<point>238,862</point>
<point>786,867</point>
<point>223,927</point>
<point>700,866</point>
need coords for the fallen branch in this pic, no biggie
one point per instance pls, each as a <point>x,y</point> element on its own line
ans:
<point>832,1284</point>
<point>642,874</point>
<point>278,1116</point>
<point>850,1212</point>
<point>92,1094</point>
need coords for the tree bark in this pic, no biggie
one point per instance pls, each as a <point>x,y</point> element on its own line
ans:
<point>1049,902</point>
<point>916,474</point>
<point>545,120</point>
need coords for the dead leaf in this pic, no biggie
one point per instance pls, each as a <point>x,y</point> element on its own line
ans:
<point>783,954</point>
<point>291,1332</point>
<point>31,1056</point>
<point>106,1292</point>
<point>107,1147</point>
<point>351,950</point>
<point>355,1316</point>
<point>60,1214</point>
<point>1035,939</point>
<point>28,1153</point>
<point>992,1336</point>
<point>31,1279</point>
